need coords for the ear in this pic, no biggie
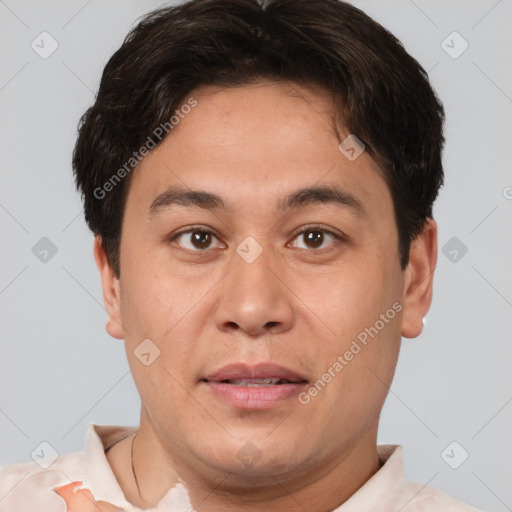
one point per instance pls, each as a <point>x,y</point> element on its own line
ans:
<point>419,276</point>
<point>111,294</point>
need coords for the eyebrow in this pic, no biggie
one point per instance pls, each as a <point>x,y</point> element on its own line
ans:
<point>307,196</point>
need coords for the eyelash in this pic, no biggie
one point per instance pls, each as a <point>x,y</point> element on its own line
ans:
<point>306,229</point>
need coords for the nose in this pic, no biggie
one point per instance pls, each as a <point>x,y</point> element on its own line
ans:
<point>255,298</point>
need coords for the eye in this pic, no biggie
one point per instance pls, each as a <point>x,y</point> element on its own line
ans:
<point>315,236</point>
<point>196,239</point>
<point>199,239</point>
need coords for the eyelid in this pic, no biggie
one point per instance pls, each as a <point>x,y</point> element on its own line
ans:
<point>194,229</point>
<point>338,236</point>
<point>310,227</point>
<point>189,229</point>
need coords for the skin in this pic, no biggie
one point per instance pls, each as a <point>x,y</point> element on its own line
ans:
<point>298,304</point>
<point>78,499</point>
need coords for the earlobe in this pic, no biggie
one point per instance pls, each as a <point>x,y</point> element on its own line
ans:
<point>111,292</point>
<point>418,280</point>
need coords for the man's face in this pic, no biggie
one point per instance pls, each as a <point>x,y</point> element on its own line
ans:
<point>206,300</point>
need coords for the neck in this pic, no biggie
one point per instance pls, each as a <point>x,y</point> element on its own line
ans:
<point>322,489</point>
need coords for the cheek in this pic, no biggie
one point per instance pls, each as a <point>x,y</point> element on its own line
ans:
<point>358,308</point>
<point>152,299</point>
<point>159,311</point>
<point>347,299</point>
<point>150,310</point>
<point>357,376</point>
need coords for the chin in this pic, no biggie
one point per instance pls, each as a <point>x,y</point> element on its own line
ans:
<point>255,464</point>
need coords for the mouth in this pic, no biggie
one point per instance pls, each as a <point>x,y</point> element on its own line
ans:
<point>257,383</point>
<point>257,387</point>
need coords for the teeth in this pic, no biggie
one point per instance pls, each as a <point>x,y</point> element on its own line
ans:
<point>252,383</point>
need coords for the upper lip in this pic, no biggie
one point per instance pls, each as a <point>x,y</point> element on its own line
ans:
<point>236,371</point>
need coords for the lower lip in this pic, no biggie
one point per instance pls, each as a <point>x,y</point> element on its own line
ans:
<point>255,398</point>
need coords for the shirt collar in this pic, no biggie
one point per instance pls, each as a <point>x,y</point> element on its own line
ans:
<point>101,479</point>
<point>387,489</point>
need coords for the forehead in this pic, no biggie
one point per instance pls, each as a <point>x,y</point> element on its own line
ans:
<point>256,144</point>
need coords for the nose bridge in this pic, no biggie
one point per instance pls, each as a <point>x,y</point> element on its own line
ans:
<point>252,269</point>
<point>253,298</point>
<point>252,277</point>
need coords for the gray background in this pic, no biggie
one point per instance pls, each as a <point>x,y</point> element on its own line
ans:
<point>59,370</point>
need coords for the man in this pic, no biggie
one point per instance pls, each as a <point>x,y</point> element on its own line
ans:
<point>225,134</point>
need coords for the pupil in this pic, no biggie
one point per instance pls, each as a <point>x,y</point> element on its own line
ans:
<point>315,238</point>
<point>199,239</point>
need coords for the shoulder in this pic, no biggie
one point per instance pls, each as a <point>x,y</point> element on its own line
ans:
<point>29,486</point>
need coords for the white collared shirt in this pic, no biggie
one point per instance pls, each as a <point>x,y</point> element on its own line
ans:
<point>29,487</point>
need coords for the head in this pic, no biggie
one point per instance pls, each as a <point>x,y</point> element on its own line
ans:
<point>219,120</point>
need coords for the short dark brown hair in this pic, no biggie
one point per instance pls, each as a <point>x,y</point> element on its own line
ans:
<point>387,100</point>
